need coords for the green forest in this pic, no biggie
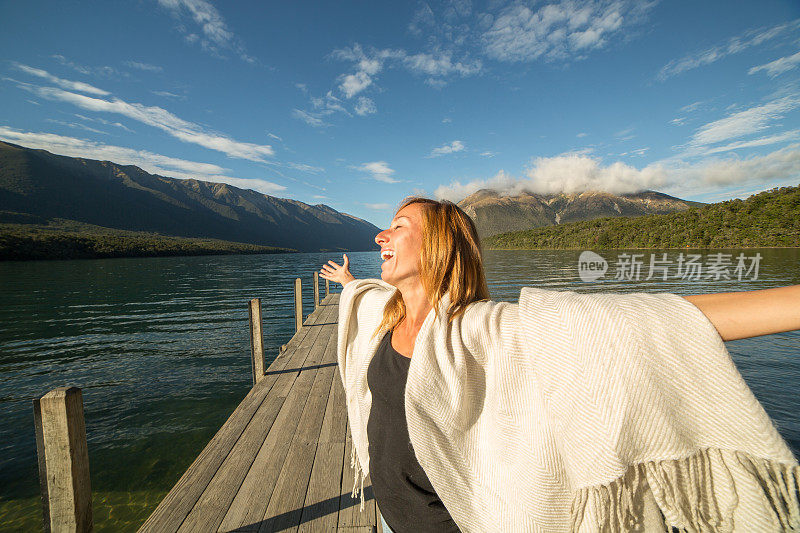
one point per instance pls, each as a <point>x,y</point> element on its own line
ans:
<point>65,239</point>
<point>767,219</point>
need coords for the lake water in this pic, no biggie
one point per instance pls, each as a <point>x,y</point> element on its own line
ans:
<point>160,347</point>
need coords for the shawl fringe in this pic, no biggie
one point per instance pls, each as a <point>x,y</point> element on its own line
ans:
<point>685,492</point>
<point>355,464</point>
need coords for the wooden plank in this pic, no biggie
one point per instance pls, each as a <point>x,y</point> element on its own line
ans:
<point>286,504</point>
<point>289,389</point>
<point>321,506</point>
<point>174,508</point>
<point>335,424</point>
<point>64,458</point>
<point>256,341</point>
<point>298,304</point>
<point>249,503</point>
<point>316,289</point>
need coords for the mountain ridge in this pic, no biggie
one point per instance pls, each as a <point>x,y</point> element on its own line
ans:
<point>38,183</point>
<point>495,214</point>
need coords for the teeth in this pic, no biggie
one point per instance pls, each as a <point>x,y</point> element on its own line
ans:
<point>386,254</point>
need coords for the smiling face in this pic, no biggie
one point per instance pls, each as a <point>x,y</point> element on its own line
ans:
<point>401,246</point>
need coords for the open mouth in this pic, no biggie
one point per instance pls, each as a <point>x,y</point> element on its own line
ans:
<point>387,254</point>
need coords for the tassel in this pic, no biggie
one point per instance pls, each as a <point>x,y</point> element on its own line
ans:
<point>355,464</point>
<point>687,495</point>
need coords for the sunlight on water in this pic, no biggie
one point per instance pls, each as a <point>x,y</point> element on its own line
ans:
<point>160,348</point>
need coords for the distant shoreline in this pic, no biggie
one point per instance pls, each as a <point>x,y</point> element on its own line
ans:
<point>35,242</point>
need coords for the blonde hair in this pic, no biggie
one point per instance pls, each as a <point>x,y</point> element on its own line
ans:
<point>451,261</point>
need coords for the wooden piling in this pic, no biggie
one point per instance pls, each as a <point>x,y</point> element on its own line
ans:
<point>256,341</point>
<point>316,289</point>
<point>298,304</point>
<point>327,287</point>
<point>63,461</point>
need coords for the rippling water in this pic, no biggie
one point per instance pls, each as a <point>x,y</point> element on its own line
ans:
<point>160,348</point>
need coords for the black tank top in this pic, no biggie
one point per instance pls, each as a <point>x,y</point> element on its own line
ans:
<point>404,494</point>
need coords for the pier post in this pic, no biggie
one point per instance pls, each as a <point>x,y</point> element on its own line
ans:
<point>298,304</point>
<point>327,287</point>
<point>256,341</point>
<point>316,289</point>
<point>63,460</point>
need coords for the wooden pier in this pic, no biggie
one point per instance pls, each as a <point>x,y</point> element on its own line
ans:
<point>281,462</point>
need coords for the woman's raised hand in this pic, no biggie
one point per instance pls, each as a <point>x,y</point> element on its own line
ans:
<point>340,274</point>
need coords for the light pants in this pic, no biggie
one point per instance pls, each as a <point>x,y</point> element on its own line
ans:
<point>386,528</point>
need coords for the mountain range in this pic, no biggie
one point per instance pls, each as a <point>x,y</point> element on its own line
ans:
<point>494,213</point>
<point>37,186</point>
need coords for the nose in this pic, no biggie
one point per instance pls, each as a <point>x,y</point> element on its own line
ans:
<point>380,238</point>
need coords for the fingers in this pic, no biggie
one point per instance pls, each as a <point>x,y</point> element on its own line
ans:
<point>335,265</point>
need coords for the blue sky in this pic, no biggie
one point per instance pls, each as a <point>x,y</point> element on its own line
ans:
<point>357,105</point>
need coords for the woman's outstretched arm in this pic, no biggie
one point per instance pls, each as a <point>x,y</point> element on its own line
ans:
<point>738,315</point>
<point>340,274</point>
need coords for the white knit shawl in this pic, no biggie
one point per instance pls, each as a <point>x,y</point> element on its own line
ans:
<point>577,412</point>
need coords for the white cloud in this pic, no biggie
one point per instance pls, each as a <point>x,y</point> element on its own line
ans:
<point>104,122</point>
<point>575,174</point>
<point>305,168</point>
<point>734,45</point>
<point>66,84</point>
<point>447,120</point>
<point>75,125</point>
<point>379,170</point>
<point>103,72</point>
<point>148,161</point>
<point>365,106</point>
<point>370,63</point>
<point>159,118</point>
<point>455,146</point>
<point>352,84</point>
<point>625,135</point>
<point>488,154</point>
<point>216,34</point>
<point>378,207</point>
<point>779,66</point>
<point>309,119</point>
<point>147,67</point>
<point>168,94</point>
<point>781,164</point>
<point>744,122</point>
<point>457,191</point>
<point>274,136</point>
<point>439,65</point>
<point>761,141</point>
<point>559,30</point>
<point>581,135</point>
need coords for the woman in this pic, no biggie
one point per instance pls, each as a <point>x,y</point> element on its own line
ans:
<point>563,412</point>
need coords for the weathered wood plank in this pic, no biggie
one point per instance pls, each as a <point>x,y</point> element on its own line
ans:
<point>316,289</point>
<point>64,459</point>
<point>286,504</point>
<point>298,303</point>
<point>171,512</point>
<point>216,499</point>
<point>256,341</point>
<point>249,503</point>
<point>321,507</point>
